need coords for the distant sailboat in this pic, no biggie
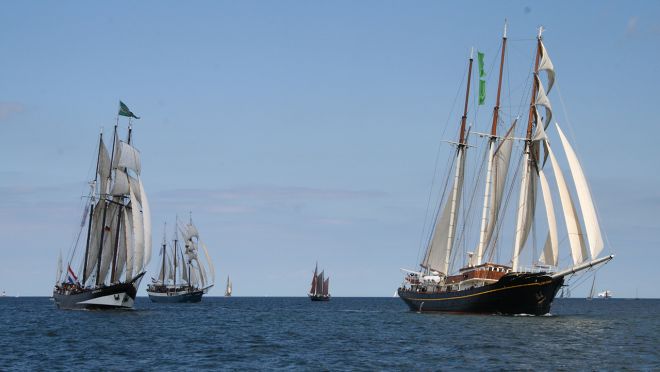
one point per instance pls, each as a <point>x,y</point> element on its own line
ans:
<point>319,290</point>
<point>605,294</point>
<point>117,246</point>
<point>592,291</point>
<point>183,276</point>
<point>228,288</point>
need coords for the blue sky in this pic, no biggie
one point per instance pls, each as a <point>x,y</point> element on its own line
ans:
<point>298,131</point>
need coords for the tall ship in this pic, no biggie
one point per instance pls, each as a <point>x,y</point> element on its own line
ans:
<point>184,274</point>
<point>461,269</point>
<point>228,287</point>
<point>319,290</point>
<point>106,262</point>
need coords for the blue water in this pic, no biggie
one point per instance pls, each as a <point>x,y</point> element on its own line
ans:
<point>343,334</point>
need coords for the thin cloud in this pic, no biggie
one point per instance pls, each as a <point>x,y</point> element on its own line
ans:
<point>7,109</point>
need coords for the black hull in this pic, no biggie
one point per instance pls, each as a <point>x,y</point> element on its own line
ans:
<point>179,297</point>
<point>319,297</point>
<point>116,296</point>
<point>515,293</point>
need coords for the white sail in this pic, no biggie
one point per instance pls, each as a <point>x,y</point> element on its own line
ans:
<point>121,185</point>
<point>146,217</point>
<point>542,100</point>
<point>526,207</point>
<point>128,234</point>
<point>550,251</point>
<point>109,239</point>
<point>121,249</point>
<point>103,167</point>
<point>496,179</point>
<point>439,250</point>
<point>546,65</point>
<point>58,272</point>
<point>578,249</point>
<point>138,234</point>
<point>127,157</point>
<point>93,251</point>
<point>209,262</point>
<point>589,216</point>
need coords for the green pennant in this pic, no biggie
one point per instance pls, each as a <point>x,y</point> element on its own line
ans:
<point>480,58</point>
<point>124,111</point>
<point>482,91</point>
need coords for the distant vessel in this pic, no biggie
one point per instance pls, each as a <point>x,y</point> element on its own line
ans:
<point>117,247</point>
<point>482,285</point>
<point>592,291</point>
<point>319,290</point>
<point>228,288</point>
<point>3,294</point>
<point>605,294</point>
<point>183,276</point>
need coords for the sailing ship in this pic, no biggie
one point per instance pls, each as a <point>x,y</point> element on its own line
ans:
<point>482,285</point>
<point>183,275</point>
<point>605,294</point>
<point>319,290</point>
<point>592,291</point>
<point>116,232</point>
<point>228,287</point>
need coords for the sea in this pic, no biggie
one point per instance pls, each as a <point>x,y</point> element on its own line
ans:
<point>366,334</point>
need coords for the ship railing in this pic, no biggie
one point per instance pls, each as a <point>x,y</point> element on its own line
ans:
<point>538,269</point>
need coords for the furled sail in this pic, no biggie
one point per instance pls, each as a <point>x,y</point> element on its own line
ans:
<point>578,249</point>
<point>546,65</point>
<point>542,100</point>
<point>584,196</point>
<point>550,251</point>
<point>439,250</point>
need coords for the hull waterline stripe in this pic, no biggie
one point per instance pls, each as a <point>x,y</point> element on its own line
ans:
<point>480,293</point>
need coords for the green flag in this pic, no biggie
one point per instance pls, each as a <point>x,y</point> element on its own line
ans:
<point>482,91</point>
<point>124,111</point>
<point>480,57</point>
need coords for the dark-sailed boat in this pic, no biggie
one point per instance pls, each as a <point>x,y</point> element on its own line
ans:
<point>117,220</point>
<point>483,286</point>
<point>320,286</point>
<point>183,275</point>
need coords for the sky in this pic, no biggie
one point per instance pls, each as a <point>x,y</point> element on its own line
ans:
<point>299,132</point>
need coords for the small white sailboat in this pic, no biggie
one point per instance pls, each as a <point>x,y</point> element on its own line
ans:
<point>228,287</point>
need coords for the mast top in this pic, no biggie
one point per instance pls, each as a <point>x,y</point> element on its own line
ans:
<point>540,32</point>
<point>472,53</point>
<point>505,26</point>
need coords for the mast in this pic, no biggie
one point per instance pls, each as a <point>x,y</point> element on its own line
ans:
<point>491,150</point>
<point>458,178</point>
<point>176,236</point>
<point>164,255</point>
<point>105,211</point>
<point>529,162</point>
<point>91,208</point>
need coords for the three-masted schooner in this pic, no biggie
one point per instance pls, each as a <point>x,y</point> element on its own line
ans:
<point>320,288</point>
<point>110,260</point>
<point>482,285</point>
<point>183,274</point>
